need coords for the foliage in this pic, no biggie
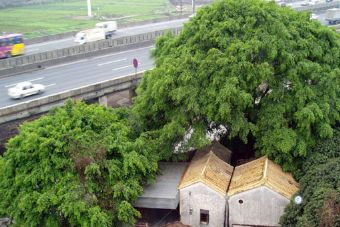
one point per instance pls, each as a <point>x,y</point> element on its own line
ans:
<point>254,67</point>
<point>319,188</point>
<point>77,166</point>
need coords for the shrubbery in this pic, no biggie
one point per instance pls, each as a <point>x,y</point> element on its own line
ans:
<point>78,166</point>
<point>320,188</point>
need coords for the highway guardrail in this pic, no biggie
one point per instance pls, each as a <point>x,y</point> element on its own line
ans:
<point>40,60</point>
<point>121,25</point>
<point>87,92</point>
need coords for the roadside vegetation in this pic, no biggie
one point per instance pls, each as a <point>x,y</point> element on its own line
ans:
<point>65,16</point>
<point>81,165</point>
<point>319,188</point>
<point>241,69</point>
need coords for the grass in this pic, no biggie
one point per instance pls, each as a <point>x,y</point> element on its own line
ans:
<point>71,15</point>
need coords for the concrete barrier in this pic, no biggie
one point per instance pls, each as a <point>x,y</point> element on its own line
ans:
<point>88,92</point>
<point>320,6</point>
<point>37,61</point>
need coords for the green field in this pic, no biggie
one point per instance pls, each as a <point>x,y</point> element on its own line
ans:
<point>64,16</point>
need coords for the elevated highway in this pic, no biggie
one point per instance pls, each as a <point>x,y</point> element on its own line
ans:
<point>72,75</point>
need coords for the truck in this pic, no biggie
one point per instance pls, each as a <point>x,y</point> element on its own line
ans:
<point>89,35</point>
<point>333,16</point>
<point>109,27</point>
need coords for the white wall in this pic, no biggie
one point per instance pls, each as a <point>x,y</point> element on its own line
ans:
<point>261,206</point>
<point>199,196</point>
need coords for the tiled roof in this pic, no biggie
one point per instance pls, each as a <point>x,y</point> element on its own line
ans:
<point>218,149</point>
<point>208,169</point>
<point>262,172</point>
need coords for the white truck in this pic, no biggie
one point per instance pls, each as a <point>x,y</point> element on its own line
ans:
<point>89,35</point>
<point>109,27</point>
<point>333,16</point>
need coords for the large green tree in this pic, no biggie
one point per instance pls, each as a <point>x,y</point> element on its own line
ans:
<point>78,166</point>
<point>319,188</point>
<point>251,66</point>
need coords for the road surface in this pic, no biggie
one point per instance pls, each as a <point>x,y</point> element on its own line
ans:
<point>68,42</point>
<point>76,74</point>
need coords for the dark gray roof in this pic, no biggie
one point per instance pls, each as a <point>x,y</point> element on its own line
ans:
<point>218,149</point>
<point>163,194</point>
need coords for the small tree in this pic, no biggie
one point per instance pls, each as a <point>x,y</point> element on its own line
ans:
<point>77,166</point>
<point>251,66</point>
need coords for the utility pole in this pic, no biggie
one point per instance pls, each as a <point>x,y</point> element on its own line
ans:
<point>89,10</point>
<point>193,6</point>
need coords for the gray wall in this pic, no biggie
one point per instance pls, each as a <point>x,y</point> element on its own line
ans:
<point>261,206</point>
<point>202,197</point>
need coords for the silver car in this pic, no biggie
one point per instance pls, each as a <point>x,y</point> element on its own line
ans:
<point>24,89</point>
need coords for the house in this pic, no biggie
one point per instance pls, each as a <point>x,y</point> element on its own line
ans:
<point>212,193</point>
<point>203,189</point>
<point>258,194</point>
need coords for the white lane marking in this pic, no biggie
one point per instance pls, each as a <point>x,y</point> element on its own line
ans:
<point>124,67</point>
<point>50,85</point>
<point>11,85</point>
<point>104,56</point>
<point>109,62</point>
<point>62,92</point>
<point>66,64</point>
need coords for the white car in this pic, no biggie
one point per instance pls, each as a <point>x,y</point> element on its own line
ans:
<point>24,89</point>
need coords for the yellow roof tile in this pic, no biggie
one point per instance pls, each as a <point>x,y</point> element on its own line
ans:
<point>210,170</point>
<point>262,172</point>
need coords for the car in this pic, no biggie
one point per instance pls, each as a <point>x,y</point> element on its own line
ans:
<point>24,89</point>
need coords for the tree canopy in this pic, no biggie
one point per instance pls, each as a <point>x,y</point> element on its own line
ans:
<point>78,166</point>
<point>319,188</point>
<point>251,66</point>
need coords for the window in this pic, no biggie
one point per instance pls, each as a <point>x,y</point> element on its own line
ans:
<point>204,216</point>
<point>11,41</point>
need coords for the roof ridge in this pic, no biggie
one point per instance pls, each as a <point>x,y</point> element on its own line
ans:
<point>265,171</point>
<point>206,163</point>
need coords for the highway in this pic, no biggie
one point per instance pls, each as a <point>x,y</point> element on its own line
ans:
<point>76,74</point>
<point>68,42</point>
<point>73,75</point>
